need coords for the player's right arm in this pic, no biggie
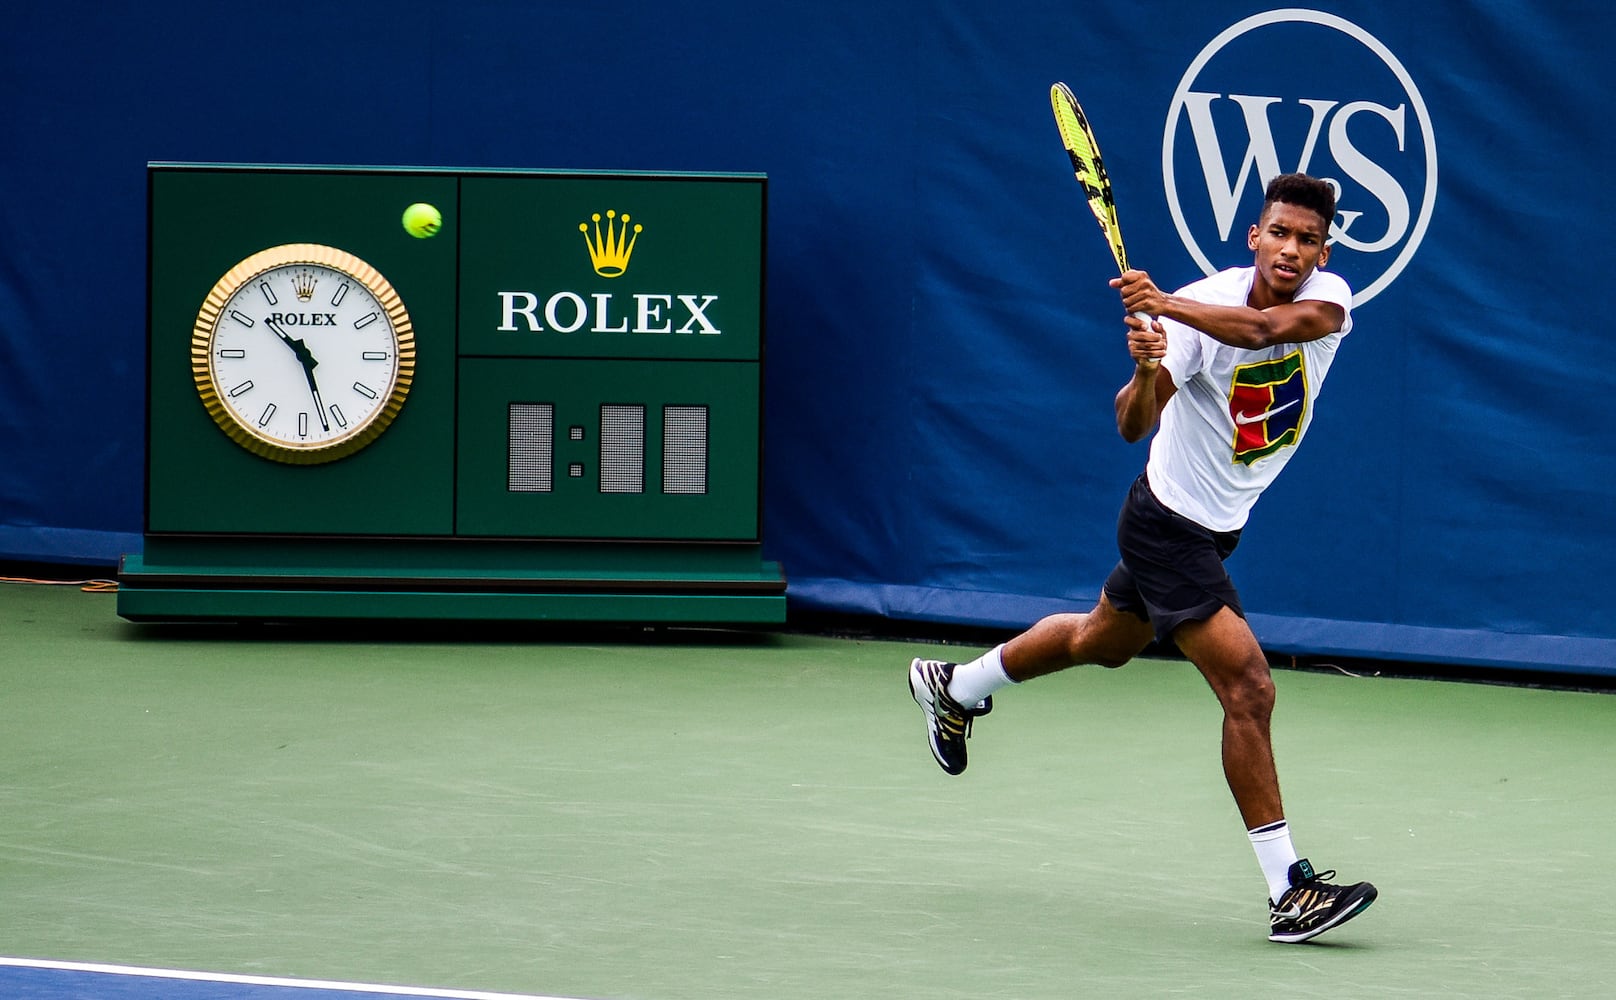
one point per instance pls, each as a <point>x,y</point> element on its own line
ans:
<point>1243,326</point>
<point>1140,401</point>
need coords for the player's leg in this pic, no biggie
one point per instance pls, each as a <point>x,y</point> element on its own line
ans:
<point>1104,637</point>
<point>951,695</point>
<point>1302,904</point>
<point>1116,631</point>
<point>1223,648</point>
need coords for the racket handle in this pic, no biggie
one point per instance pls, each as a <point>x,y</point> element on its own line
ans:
<point>1147,319</point>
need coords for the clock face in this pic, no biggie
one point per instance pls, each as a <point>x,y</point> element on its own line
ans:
<point>303,353</point>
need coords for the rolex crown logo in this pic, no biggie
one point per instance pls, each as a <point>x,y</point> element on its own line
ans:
<point>610,252</point>
<point>303,283</point>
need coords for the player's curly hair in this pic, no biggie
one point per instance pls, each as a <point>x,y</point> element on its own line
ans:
<point>1304,191</point>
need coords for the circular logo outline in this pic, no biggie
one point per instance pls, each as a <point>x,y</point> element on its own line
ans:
<point>1301,14</point>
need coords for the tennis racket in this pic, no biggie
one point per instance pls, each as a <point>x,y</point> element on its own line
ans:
<point>1078,138</point>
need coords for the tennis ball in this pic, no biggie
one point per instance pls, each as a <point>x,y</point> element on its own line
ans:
<point>422,220</point>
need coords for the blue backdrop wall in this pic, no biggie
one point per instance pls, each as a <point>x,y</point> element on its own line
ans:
<point>942,347</point>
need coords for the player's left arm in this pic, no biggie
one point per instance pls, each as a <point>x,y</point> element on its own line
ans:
<point>1238,326</point>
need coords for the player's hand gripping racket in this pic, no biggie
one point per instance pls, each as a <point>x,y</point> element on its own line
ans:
<point>1078,138</point>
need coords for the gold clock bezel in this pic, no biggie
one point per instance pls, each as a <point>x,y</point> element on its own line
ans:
<point>249,436</point>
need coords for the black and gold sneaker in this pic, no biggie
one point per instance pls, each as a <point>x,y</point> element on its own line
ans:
<point>948,723</point>
<point>1312,906</point>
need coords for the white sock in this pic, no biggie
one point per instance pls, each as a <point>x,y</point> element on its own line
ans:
<point>981,677</point>
<point>1275,854</point>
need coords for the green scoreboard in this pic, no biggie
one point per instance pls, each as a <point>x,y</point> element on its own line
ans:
<point>547,409</point>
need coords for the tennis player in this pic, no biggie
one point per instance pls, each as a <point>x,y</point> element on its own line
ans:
<point>1227,377</point>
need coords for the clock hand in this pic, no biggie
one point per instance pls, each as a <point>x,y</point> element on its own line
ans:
<point>299,348</point>
<point>306,359</point>
<point>319,407</point>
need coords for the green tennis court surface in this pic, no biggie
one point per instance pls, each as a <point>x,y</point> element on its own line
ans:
<point>703,815</point>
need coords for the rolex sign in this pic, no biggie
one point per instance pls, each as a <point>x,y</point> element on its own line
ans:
<point>610,267</point>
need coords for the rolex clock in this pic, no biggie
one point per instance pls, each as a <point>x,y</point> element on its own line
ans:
<point>303,353</point>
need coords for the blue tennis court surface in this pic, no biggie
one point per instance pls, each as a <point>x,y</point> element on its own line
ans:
<point>29,979</point>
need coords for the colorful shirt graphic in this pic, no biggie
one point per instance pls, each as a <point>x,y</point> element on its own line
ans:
<point>1268,401</point>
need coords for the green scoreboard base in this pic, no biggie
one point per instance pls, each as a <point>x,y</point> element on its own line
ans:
<point>216,581</point>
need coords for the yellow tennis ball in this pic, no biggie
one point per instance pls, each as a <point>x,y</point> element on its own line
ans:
<point>422,220</point>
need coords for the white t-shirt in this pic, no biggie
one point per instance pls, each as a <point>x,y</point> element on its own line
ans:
<point>1238,415</point>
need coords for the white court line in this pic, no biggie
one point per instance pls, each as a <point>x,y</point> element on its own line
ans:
<point>295,984</point>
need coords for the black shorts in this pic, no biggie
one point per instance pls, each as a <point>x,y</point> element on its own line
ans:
<point>1172,568</point>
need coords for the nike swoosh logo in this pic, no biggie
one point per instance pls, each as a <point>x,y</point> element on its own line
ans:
<point>1290,914</point>
<point>1251,418</point>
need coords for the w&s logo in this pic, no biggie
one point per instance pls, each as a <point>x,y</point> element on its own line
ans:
<point>1301,90</point>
